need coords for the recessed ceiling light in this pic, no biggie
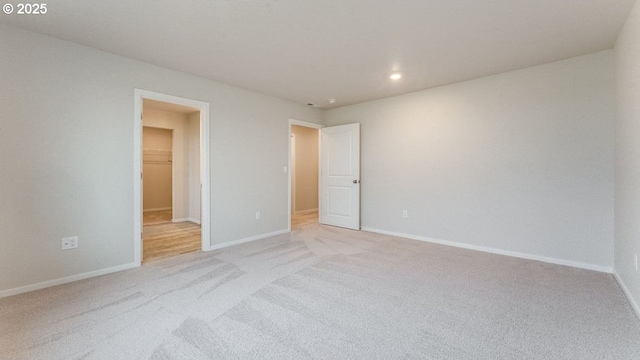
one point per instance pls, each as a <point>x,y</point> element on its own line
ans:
<point>395,76</point>
<point>331,101</point>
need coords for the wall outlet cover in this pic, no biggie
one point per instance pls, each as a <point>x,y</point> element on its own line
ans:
<point>69,243</point>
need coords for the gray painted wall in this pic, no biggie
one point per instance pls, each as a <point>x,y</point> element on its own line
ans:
<point>66,138</point>
<point>627,156</point>
<point>519,162</point>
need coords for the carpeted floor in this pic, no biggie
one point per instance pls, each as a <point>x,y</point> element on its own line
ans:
<point>327,293</point>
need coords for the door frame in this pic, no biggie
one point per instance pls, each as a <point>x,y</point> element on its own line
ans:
<point>205,175</point>
<point>290,172</point>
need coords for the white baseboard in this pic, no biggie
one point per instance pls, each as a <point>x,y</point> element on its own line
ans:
<point>158,209</point>
<point>627,293</point>
<point>305,212</point>
<point>550,260</point>
<point>185,220</point>
<point>66,280</point>
<point>246,240</point>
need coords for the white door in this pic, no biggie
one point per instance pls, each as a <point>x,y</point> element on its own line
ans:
<point>340,176</point>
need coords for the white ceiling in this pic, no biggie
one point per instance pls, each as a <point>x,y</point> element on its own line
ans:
<point>308,51</point>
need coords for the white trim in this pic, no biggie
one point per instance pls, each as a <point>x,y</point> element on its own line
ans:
<point>249,239</point>
<point>157,209</point>
<point>305,212</point>
<point>516,254</point>
<point>186,220</point>
<point>205,177</point>
<point>180,220</point>
<point>205,172</point>
<point>305,124</point>
<point>627,293</point>
<point>292,173</point>
<point>65,280</point>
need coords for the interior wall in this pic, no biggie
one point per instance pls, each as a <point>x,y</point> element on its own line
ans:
<point>306,168</point>
<point>156,169</point>
<point>66,137</point>
<point>194,167</point>
<point>520,162</point>
<point>627,155</point>
<point>179,124</point>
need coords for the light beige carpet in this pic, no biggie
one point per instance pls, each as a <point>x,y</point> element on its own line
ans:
<point>327,293</point>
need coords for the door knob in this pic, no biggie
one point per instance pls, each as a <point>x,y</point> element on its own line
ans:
<point>355,181</point>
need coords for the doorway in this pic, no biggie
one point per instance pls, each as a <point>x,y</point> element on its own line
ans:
<point>157,175</point>
<point>170,180</point>
<point>304,167</point>
<point>171,190</point>
<point>338,187</point>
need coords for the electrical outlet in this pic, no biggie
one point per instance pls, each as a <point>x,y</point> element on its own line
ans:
<point>69,243</point>
<point>257,215</point>
<point>405,214</point>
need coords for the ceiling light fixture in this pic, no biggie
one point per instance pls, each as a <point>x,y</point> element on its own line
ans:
<point>331,101</point>
<point>395,76</point>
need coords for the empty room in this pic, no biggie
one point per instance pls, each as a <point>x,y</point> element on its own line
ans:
<point>297,179</point>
